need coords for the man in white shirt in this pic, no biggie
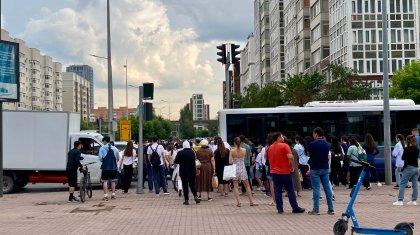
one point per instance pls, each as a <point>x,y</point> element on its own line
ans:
<point>158,168</point>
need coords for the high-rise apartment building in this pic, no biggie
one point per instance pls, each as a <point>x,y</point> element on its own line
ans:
<point>199,110</point>
<point>75,94</point>
<point>86,72</point>
<point>297,36</point>
<point>264,40</point>
<point>40,80</point>
<point>247,64</point>
<point>356,36</point>
<point>276,40</point>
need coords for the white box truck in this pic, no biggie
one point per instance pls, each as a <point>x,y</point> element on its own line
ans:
<point>35,147</point>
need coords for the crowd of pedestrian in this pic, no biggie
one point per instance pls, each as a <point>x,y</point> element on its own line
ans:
<point>281,168</point>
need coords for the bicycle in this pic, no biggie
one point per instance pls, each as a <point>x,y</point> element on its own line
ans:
<point>85,183</point>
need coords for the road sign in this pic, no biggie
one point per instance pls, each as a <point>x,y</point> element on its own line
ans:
<point>125,130</point>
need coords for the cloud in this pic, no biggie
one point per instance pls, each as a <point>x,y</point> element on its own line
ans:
<point>174,59</point>
<point>213,19</point>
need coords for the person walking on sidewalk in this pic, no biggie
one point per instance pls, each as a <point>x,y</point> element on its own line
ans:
<point>73,162</point>
<point>109,157</point>
<point>371,151</point>
<point>128,157</point>
<point>318,153</point>
<point>410,172</point>
<point>155,155</point>
<point>399,163</point>
<point>282,164</point>
<point>221,158</point>
<point>247,148</point>
<point>185,159</point>
<point>207,169</point>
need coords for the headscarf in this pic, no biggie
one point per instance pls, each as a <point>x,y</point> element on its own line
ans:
<point>186,145</point>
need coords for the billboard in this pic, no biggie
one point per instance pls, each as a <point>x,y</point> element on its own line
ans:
<point>9,71</point>
<point>125,130</point>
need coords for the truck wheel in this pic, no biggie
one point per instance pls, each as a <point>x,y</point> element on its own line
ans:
<point>8,184</point>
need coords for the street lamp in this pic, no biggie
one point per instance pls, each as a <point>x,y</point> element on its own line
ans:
<point>140,144</point>
<point>169,104</point>
<point>110,94</point>
<point>126,86</point>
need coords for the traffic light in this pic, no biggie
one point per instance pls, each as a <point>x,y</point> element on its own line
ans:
<point>234,53</point>
<point>148,91</point>
<point>222,53</point>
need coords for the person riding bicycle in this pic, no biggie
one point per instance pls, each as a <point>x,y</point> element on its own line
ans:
<point>73,163</point>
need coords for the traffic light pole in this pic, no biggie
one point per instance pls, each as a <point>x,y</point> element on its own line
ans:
<point>140,155</point>
<point>227,83</point>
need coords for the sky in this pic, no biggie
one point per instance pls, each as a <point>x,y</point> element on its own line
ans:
<point>171,43</point>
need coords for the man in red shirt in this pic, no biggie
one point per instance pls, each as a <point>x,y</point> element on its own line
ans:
<point>281,162</point>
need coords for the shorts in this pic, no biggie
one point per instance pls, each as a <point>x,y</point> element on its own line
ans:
<point>72,177</point>
<point>109,175</point>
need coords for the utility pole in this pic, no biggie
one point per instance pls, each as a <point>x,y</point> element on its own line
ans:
<point>387,115</point>
<point>227,83</point>
<point>110,91</point>
<point>140,145</point>
<point>126,86</point>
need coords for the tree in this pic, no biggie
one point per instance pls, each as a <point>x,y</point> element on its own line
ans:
<point>85,125</point>
<point>255,97</point>
<point>406,82</point>
<point>301,88</point>
<point>186,123</point>
<point>213,127</point>
<point>345,84</point>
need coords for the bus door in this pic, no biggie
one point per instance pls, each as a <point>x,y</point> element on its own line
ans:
<point>373,126</point>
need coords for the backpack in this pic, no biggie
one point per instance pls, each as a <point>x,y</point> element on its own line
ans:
<point>155,158</point>
<point>361,154</point>
<point>109,161</point>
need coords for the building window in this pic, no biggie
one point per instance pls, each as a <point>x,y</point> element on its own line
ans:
<point>316,57</point>
<point>316,33</point>
<point>315,9</point>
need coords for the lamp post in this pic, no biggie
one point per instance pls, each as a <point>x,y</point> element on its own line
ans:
<point>126,86</point>
<point>140,144</point>
<point>169,104</point>
<point>110,98</point>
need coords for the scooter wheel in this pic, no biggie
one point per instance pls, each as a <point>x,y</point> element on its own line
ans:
<point>406,227</point>
<point>340,227</point>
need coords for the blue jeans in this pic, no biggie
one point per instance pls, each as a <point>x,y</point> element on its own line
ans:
<point>280,181</point>
<point>149,176</point>
<point>371,175</point>
<point>159,179</point>
<point>410,172</point>
<point>398,174</point>
<point>318,177</point>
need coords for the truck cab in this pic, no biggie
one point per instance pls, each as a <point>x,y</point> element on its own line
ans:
<point>92,142</point>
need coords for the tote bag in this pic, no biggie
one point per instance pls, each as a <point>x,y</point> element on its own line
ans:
<point>229,172</point>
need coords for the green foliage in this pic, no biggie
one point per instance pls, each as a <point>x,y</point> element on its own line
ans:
<point>158,127</point>
<point>406,82</point>
<point>203,133</point>
<point>186,124</point>
<point>301,88</point>
<point>85,125</point>
<point>345,84</point>
<point>255,97</point>
<point>213,127</point>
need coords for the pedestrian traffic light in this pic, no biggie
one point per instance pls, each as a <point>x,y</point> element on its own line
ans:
<point>222,53</point>
<point>234,53</point>
<point>148,91</point>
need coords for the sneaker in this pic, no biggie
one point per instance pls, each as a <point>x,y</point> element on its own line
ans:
<point>379,184</point>
<point>396,186</point>
<point>398,203</point>
<point>298,210</point>
<point>186,203</point>
<point>408,186</point>
<point>313,213</point>
<point>73,201</point>
<point>320,197</point>
<point>113,196</point>
<point>331,212</point>
<point>333,198</point>
<point>166,193</point>
<point>280,212</point>
<point>197,200</point>
<point>368,188</point>
<point>412,203</point>
<point>209,199</point>
<point>105,198</point>
<point>180,193</point>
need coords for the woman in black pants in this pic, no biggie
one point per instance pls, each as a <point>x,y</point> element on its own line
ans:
<point>127,161</point>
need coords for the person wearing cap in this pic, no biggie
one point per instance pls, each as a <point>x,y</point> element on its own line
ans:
<point>73,162</point>
<point>185,159</point>
<point>207,169</point>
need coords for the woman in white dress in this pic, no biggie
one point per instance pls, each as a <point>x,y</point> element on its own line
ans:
<point>237,156</point>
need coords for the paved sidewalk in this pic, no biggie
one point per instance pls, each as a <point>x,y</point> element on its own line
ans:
<point>50,213</point>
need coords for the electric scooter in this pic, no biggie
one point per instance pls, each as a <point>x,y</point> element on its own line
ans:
<point>341,226</point>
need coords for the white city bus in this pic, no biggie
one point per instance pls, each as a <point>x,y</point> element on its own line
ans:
<point>337,118</point>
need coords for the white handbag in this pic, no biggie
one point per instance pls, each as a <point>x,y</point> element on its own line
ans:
<point>229,172</point>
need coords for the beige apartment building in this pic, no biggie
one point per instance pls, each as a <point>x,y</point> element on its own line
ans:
<point>76,94</point>
<point>40,80</point>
